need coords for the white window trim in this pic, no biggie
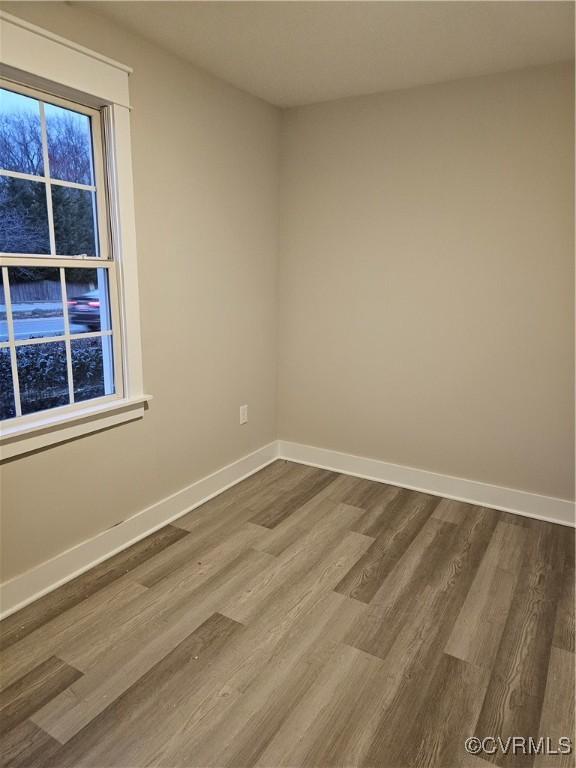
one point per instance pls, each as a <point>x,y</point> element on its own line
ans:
<point>40,59</point>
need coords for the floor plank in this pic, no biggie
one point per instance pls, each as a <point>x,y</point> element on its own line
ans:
<point>452,511</point>
<point>557,720</point>
<point>447,716</point>
<point>283,505</point>
<point>84,619</point>
<point>27,746</point>
<point>396,526</point>
<point>243,734</point>
<point>308,515</point>
<point>131,625</point>
<point>68,713</point>
<point>515,694</point>
<point>334,721</point>
<point>20,624</point>
<point>476,635</point>
<point>412,642</point>
<point>296,560</point>
<point>31,692</point>
<point>110,734</point>
<point>564,625</point>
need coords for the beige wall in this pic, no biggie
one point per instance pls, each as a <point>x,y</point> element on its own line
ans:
<point>426,278</point>
<point>206,182</point>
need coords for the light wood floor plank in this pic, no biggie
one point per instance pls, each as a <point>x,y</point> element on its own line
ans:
<point>478,629</point>
<point>451,511</point>
<point>132,717</point>
<point>247,728</point>
<point>558,718</point>
<point>82,619</point>
<point>297,560</point>
<point>20,624</point>
<point>296,525</point>
<point>68,713</point>
<point>155,605</point>
<point>333,724</point>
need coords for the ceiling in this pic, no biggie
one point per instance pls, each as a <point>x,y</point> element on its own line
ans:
<point>292,53</point>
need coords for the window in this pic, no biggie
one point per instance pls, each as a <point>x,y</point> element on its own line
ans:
<point>59,318</point>
<point>70,354</point>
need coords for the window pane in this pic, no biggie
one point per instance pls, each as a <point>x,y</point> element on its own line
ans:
<point>42,375</point>
<point>74,221</point>
<point>69,145</point>
<point>88,300</point>
<point>20,134</point>
<point>36,296</point>
<point>92,367</point>
<point>7,408</point>
<point>3,319</point>
<point>24,216</point>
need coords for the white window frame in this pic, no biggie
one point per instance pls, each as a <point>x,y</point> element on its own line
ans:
<point>42,61</point>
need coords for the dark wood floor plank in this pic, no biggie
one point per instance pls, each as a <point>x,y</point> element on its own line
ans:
<point>404,516</point>
<point>411,643</point>
<point>280,507</point>
<point>26,746</point>
<point>442,559</point>
<point>24,697</point>
<point>446,717</point>
<point>20,624</point>
<point>140,703</point>
<point>564,624</point>
<point>249,495</point>
<point>299,523</point>
<point>557,720</point>
<point>515,694</point>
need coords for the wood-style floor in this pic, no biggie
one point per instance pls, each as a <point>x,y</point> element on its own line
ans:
<point>302,618</point>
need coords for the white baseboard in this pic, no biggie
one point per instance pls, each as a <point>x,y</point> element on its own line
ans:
<point>548,508</point>
<point>35,583</point>
<point>44,578</point>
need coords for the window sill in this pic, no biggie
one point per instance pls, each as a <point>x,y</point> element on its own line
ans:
<point>51,429</point>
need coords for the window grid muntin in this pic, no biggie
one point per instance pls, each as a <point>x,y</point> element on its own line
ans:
<point>47,185</point>
<point>102,260</point>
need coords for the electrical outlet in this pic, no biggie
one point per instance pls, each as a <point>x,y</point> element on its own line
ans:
<point>243,414</point>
